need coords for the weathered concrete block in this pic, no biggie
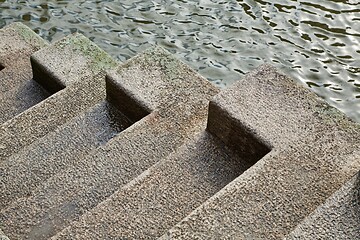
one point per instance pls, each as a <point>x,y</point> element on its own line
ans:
<point>17,91</point>
<point>70,60</point>
<point>314,151</point>
<point>173,120</point>
<point>157,80</point>
<point>134,157</point>
<point>74,63</point>
<point>338,218</point>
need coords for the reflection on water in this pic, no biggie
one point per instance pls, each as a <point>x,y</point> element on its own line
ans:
<point>314,41</point>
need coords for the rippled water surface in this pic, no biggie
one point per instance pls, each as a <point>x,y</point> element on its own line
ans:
<point>316,42</point>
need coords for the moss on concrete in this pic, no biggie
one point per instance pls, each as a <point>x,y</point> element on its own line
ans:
<point>159,57</point>
<point>166,60</point>
<point>28,35</point>
<point>99,59</point>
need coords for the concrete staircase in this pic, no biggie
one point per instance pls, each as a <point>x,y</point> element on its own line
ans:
<point>94,149</point>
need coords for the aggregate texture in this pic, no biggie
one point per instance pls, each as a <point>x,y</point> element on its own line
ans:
<point>62,60</point>
<point>94,149</point>
<point>18,91</point>
<point>160,197</point>
<point>21,173</point>
<point>338,218</point>
<point>2,236</point>
<point>314,151</point>
<point>173,101</point>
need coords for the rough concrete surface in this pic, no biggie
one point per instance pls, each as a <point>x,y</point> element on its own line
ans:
<point>163,195</point>
<point>58,150</point>
<point>2,236</point>
<point>171,120</point>
<point>338,218</point>
<point>18,91</point>
<point>95,149</point>
<point>314,152</point>
<point>65,104</point>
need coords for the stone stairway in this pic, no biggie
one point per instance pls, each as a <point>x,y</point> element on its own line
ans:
<point>314,152</point>
<point>95,149</point>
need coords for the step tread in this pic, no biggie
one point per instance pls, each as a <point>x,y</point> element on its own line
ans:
<point>337,218</point>
<point>163,195</point>
<point>314,152</point>
<point>58,150</point>
<point>67,195</point>
<point>66,103</point>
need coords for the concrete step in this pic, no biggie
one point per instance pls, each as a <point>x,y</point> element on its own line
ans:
<point>2,236</point>
<point>337,218</point>
<point>67,195</point>
<point>21,173</point>
<point>18,91</point>
<point>17,44</point>
<point>314,151</point>
<point>171,100</point>
<point>17,100</point>
<point>270,154</point>
<point>163,195</point>
<point>68,58</point>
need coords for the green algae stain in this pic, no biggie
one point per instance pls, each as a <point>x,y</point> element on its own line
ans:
<point>170,65</point>
<point>99,60</point>
<point>156,58</point>
<point>28,35</point>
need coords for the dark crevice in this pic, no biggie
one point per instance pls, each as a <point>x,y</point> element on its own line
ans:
<point>125,101</point>
<point>241,139</point>
<point>1,67</point>
<point>44,77</point>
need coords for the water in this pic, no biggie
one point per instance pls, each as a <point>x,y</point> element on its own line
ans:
<point>317,42</point>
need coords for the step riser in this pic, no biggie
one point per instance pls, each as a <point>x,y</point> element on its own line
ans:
<point>252,164</point>
<point>23,172</point>
<point>315,151</point>
<point>129,105</point>
<point>44,77</point>
<point>168,192</point>
<point>236,136</point>
<point>337,218</point>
